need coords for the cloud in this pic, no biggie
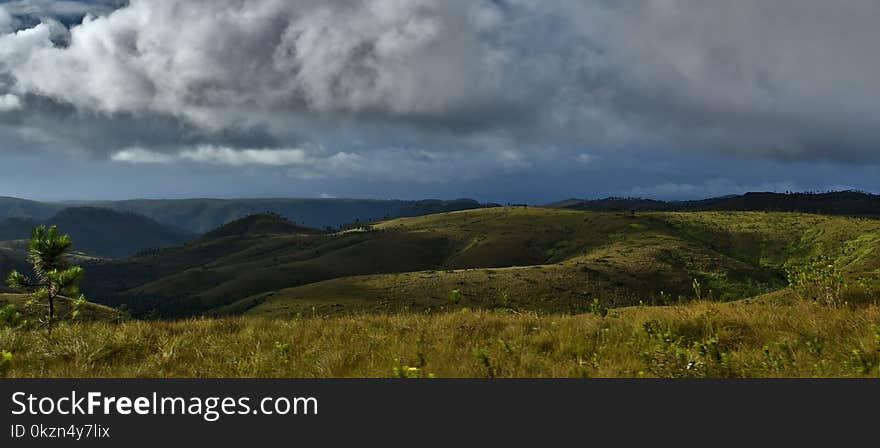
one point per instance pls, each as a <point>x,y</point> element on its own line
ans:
<point>137,155</point>
<point>214,155</point>
<point>5,21</point>
<point>58,9</point>
<point>232,157</point>
<point>9,102</point>
<point>494,84</point>
<point>312,162</point>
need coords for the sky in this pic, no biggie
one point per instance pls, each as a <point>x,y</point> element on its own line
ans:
<point>498,100</point>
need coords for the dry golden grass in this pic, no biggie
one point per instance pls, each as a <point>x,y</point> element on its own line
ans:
<point>761,338</point>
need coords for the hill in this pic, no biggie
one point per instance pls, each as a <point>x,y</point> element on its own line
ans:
<point>259,224</point>
<point>539,260</point>
<point>852,203</point>
<point>22,208</point>
<point>100,232</point>
<point>527,258</point>
<point>109,233</point>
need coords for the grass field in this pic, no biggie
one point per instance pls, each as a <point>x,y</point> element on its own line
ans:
<point>506,292</point>
<point>768,337</point>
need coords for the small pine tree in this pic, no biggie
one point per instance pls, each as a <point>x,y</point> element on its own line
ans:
<point>47,252</point>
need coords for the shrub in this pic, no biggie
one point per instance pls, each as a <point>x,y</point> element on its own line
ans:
<point>698,289</point>
<point>9,316</point>
<point>410,372</point>
<point>455,297</point>
<point>282,350</point>
<point>820,281</point>
<point>860,363</point>
<point>481,355</point>
<point>598,308</point>
<point>669,355</point>
<point>5,362</point>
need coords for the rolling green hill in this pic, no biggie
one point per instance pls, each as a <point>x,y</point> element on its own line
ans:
<point>566,260</point>
<point>523,258</point>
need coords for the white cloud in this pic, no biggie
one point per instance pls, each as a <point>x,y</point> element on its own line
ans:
<point>210,62</point>
<point>214,155</point>
<point>9,102</point>
<point>238,157</point>
<point>17,47</point>
<point>136,155</point>
<point>506,80</point>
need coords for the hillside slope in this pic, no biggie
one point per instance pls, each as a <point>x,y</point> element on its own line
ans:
<point>618,258</point>
<point>23,208</point>
<point>533,258</point>
<point>100,232</point>
<point>109,233</point>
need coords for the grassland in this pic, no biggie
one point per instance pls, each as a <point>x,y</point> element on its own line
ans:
<point>507,292</point>
<point>768,337</point>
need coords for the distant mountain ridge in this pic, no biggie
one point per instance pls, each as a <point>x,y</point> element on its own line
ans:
<point>101,232</point>
<point>203,215</point>
<point>853,203</point>
<point>23,208</point>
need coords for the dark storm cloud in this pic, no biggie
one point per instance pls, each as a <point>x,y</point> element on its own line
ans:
<point>64,9</point>
<point>440,90</point>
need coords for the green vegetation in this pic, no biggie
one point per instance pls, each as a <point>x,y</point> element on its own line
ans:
<point>496,292</point>
<point>767,337</point>
<point>820,280</point>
